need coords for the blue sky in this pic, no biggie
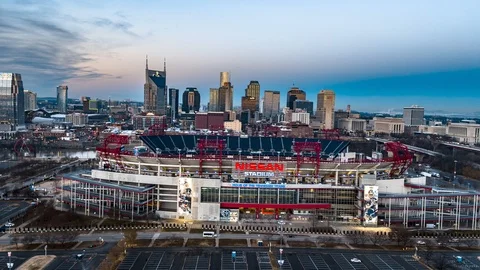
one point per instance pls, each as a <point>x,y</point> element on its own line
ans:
<point>376,55</point>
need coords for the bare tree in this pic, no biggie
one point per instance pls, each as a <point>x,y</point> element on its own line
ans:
<point>401,236</point>
<point>14,240</point>
<point>48,238</point>
<point>358,238</point>
<point>322,240</point>
<point>377,238</point>
<point>130,237</point>
<point>444,240</point>
<point>470,242</point>
<point>67,237</point>
<point>114,257</point>
<point>29,239</point>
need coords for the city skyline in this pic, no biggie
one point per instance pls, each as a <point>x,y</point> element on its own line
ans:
<point>372,59</point>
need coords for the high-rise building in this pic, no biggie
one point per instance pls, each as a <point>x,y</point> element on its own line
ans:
<point>326,108</point>
<point>253,90</point>
<point>249,104</point>
<point>305,105</point>
<point>271,104</point>
<point>62,98</point>
<point>12,113</point>
<point>213,101</point>
<point>30,100</point>
<point>155,90</point>
<point>86,104</point>
<point>413,116</point>
<point>302,117</point>
<point>295,94</point>
<point>191,100</point>
<point>225,97</point>
<point>224,78</point>
<point>173,94</point>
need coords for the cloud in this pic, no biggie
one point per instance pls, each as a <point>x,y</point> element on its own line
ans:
<point>123,26</point>
<point>43,50</point>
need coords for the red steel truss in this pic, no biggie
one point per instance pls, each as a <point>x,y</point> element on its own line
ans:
<point>112,148</point>
<point>217,145</point>
<point>158,129</point>
<point>271,131</point>
<point>330,134</point>
<point>312,147</point>
<point>23,148</point>
<point>401,157</point>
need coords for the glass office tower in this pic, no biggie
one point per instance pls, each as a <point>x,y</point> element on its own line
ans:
<point>12,114</point>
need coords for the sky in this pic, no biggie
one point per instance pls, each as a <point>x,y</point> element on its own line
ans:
<point>376,55</point>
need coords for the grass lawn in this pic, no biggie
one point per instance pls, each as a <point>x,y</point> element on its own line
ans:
<point>334,245</point>
<point>274,243</point>
<point>230,232</point>
<point>178,242</point>
<point>301,244</point>
<point>116,222</point>
<point>142,242</point>
<point>62,246</point>
<point>89,244</point>
<point>200,243</point>
<point>53,218</point>
<point>174,230</point>
<point>365,246</point>
<point>232,242</point>
<point>25,247</point>
<point>467,248</point>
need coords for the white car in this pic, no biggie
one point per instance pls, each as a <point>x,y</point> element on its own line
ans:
<point>9,224</point>
<point>356,260</point>
<point>420,242</point>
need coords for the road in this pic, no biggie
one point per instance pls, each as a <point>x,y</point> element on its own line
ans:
<point>117,236</point>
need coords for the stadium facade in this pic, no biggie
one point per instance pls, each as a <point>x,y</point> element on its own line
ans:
<point>231,178</point>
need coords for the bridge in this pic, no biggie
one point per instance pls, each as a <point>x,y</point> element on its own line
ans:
<point>410,147</point>
<point>462,146</point>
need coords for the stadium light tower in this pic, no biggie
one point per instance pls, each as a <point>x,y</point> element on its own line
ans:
<point>281,261</point>
<point>9,263</point>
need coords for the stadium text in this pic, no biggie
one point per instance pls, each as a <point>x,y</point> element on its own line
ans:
<point>254,166</point>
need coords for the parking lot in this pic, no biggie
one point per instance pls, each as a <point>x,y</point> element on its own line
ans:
<point>14,259</point>
<point>70,262</point>
<point>259,259</point>
<point>11,209</point>
<point>164,260</point>
<point>240,260</point>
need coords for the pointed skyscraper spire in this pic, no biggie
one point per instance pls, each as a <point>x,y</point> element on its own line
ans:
<point>146,61</point>
<point>165,65</point>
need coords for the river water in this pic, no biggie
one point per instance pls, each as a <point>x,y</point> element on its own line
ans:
<point>66,153</point>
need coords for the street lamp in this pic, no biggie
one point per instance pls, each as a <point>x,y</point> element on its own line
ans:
<point>9,263</point>
<point>455,171</point>
<point>281,261</point>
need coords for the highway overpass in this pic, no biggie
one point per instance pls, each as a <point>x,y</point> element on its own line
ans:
<point>410,147</point>
<point>462,146</point>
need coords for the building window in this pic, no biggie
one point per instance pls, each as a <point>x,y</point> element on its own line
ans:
<point>229,195</point>
<point>249,195</point>
<point>209,195</point>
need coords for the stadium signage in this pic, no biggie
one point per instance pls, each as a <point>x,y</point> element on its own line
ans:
<point>242,185</point>
<point>259,167</point>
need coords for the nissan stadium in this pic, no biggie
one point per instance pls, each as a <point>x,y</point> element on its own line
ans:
<point>231,178</point>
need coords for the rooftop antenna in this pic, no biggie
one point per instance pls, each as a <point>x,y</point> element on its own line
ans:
<point>146,61</point>
<point>165,65</point>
